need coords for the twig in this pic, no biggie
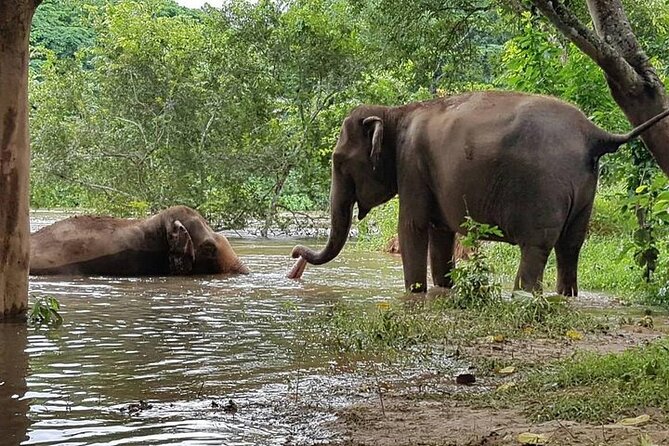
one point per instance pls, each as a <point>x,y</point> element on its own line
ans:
<point>199,392</point>
<point>378,389</point>
<point>92,185</point>
<point>297,385</point>
<point>563,427</point>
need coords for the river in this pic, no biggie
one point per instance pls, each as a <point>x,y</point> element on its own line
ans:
<point>186,346</point>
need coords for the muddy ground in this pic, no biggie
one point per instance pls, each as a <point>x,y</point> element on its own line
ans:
<point>431,410</point>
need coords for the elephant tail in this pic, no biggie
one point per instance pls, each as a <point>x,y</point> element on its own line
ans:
<point>610,142</point>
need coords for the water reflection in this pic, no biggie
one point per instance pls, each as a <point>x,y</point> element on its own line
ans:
<point>14,402</point>
<point>187,346</point>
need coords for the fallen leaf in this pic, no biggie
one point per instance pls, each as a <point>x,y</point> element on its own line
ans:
<point>636,421</point>
<point>383,306</point>
<point>507,370</point>
<point>574,335</point>
<point>646,321</point>
<point>532,439</point>
<point>495,339</point>
<point>557,299</point>
<point>506,386</point>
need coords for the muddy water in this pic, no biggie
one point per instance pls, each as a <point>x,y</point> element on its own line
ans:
<point>186,346</point>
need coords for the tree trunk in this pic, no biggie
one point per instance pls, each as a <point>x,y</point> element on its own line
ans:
<point>632,80</point>
<point>15,21</point>
<point>276,194</point>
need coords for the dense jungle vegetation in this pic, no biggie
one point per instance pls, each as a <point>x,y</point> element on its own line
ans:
<point>138,105</point>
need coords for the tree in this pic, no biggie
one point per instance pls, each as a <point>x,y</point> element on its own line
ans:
<point>15,20</point>
<point>630,75</point>
<point>58,26</point>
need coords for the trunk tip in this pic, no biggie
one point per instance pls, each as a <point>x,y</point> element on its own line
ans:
<point>298,269</point>
<point>297,251</point>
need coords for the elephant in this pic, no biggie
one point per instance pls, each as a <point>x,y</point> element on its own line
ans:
<point>176,241</point>
<point>525,163</point>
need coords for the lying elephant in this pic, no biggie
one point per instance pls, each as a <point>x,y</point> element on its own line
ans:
<point>176,241</point>
<point>525,163</point>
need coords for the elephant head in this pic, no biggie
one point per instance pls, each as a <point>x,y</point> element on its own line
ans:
<point>195,248</point>
<point>363,173</point>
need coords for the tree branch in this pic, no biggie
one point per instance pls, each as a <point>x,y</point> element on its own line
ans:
<point>616,68</point>
<point>612,25</point>
<point>102,187</point>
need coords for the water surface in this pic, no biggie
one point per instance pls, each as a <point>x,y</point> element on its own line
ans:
<point>186,346</point>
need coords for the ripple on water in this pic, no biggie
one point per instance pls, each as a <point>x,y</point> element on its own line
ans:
<point>181,343</point>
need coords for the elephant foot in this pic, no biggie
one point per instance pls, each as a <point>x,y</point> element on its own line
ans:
<point>567,290</point>
<point>298,269</point>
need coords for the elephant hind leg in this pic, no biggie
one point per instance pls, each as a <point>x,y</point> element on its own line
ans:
<point>531,270</point>
<point>441,246</point>
<point>567,250</point>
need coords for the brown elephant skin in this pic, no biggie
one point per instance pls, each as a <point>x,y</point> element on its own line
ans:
<point>525,163</point>
<point>176,241</point>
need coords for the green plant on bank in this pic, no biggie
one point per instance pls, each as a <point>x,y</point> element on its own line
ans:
<point>409,326</point>
<point>473,279</point>
<point>45,311</point>
<point>598,388</point>
<point>650,204</point>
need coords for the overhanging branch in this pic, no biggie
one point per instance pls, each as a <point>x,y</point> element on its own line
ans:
<point>616,68</point>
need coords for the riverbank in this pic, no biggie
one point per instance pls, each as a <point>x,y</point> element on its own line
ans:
<point>571,387</point>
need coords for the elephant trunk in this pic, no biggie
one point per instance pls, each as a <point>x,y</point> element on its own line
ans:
<point>341,211</point>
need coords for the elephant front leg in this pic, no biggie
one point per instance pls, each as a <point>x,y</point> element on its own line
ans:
<point>441,245</point>
<point>413,237</point>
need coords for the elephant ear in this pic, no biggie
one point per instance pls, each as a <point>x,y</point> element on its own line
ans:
<point>181,252</point>
<point>375,126</point>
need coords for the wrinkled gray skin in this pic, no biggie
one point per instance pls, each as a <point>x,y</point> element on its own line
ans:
<point>176,241</point>
<point>525,163</point>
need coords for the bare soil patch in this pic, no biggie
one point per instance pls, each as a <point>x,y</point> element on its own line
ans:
<point>543,350</point>
<point>442,423</point>
<point>431,409</point>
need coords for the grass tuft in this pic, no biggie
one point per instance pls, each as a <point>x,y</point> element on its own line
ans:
<point>407,327</point>
<point>600,388</point>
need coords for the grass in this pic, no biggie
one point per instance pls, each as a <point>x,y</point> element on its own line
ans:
<point>598,388</point>
<point>406,327</point>
<point>605,265</point>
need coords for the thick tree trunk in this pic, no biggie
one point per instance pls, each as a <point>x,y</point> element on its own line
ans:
<point>15,21</point>
<point>634,84</point>
<point>643,96</point>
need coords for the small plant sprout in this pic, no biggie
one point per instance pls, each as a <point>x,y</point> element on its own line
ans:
<point>45,311</point>
<point>473,282</point>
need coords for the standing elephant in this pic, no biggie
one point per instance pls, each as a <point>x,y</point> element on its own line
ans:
<point>176,241</point>
<point>525,163</point>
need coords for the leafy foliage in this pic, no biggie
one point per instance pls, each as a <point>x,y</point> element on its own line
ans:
<point>473,280</point>
<point>45,311</point>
